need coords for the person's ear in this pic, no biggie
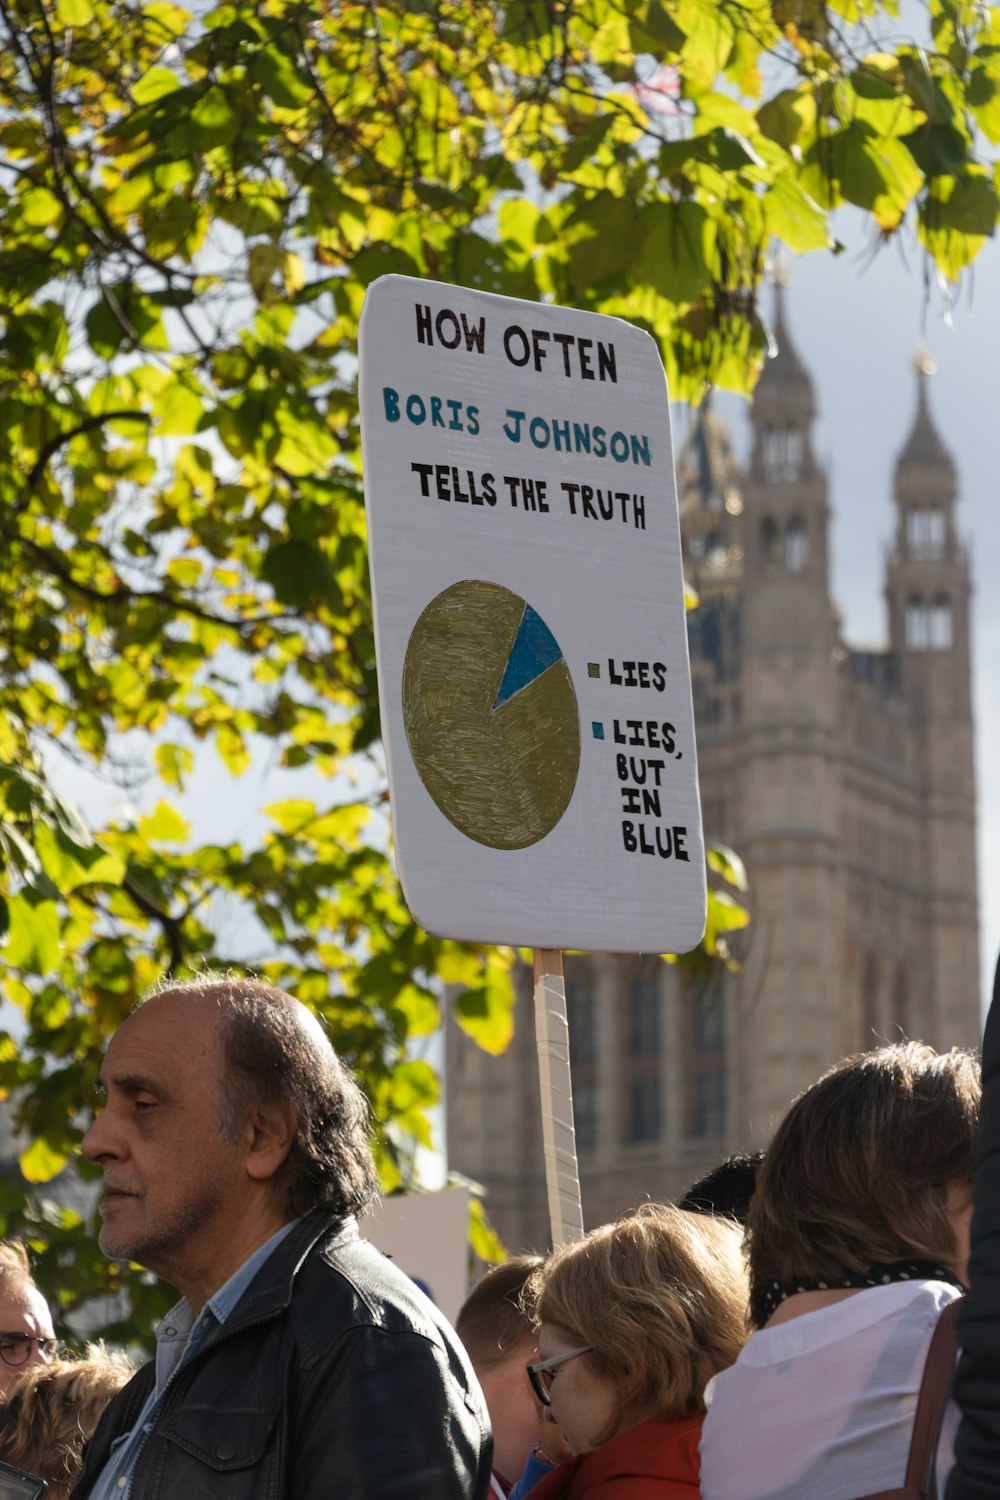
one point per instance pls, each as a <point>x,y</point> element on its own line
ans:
<point>272,1136</point>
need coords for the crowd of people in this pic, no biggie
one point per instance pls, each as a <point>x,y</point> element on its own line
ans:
<point>785,1329</point>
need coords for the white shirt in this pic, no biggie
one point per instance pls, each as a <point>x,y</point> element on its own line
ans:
<point>822,1406</point>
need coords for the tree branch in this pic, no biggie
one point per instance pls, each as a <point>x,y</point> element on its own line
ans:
<point>170,926</point>
<point>88,425</point>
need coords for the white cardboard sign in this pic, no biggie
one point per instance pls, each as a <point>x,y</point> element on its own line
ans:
<point>529,622</point>
<point>427,1235</point>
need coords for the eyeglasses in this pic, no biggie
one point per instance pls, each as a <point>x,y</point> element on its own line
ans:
<point>541,1375</point>
<point>15,1348</point>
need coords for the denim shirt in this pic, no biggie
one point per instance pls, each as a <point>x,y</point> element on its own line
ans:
<point>178,1337</point>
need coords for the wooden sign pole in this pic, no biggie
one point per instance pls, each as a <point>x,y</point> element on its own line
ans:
<point>562,1176</point>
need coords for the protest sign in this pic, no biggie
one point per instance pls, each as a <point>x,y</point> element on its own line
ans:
<point>532,651</point>
<point>427,1235</point>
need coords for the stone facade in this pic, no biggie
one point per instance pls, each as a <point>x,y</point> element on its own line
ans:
<point>845,780</point>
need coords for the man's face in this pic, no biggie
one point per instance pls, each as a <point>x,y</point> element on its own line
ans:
<point>171,1183</point>
<point>22,1312</point>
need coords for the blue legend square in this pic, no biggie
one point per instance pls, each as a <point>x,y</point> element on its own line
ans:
<point>598,731</point>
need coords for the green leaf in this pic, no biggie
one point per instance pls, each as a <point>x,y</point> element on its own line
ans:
<point>854,164</point>
<point>955,220</point>
<point>301,575</point>
<point>292,816</point>
<point>483,1238</point>
<point>39,208</point>
<point>74,12</point>
<point>793,217</point>
<point>216,116</point>
<point>609,225</point>
<point>486,1013</point>
<point>707,45</point>
<point>984,92</point>
<point>790,115</point>
<point>33,933</point>
<point>880,99</point>
<point>19,853</point>
<point>164,825</point>
<point>69,866</point>
<point>175,764</point>
<point>287,83</point>
<point>653,29</point>
<point>585,143</point>
<point>938,150</point>
<point>678,251</point>
<point>727,863</point>
<point>413,1086</point>
<point>155,83</point>
<point>419,1011</point>
<point>968,204</point>
<point>725,913</point>
<point>179,409</point>
<point>41,1162</point>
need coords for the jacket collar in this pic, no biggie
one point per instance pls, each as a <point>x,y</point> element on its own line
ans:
<point>270,1292</point>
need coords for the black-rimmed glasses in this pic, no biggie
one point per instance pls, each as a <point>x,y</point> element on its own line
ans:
<point>540,1374</point>
<point>15,1348</point>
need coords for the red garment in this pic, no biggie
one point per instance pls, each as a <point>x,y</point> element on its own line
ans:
<point>654,1461</point>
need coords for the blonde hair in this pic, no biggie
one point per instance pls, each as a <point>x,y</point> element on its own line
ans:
<point>858,1168</point>
<point>50,1412</point>
<point>15,1272</point>
<point>660,1296</point>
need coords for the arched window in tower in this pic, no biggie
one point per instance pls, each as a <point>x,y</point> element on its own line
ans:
<point>643,1042</point>
<point>770,542</point>
<point>796,545</point>
<point>917,624</point>
<point>940,624</point>
<point>925,532</point>
<point>915,531</point>
<point>793,452</point>
<point>773,452</point>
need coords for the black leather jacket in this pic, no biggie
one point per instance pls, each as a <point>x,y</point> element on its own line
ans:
<point>976,1475</point>
<point>333,1377</point>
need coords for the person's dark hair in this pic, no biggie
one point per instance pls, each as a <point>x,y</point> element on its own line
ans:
<point>858,1169</point>
<point>273,1055</point>
<point>727,1189</point>
<point>492,1323</point>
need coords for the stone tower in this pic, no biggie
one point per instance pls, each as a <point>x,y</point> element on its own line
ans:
<point>845,780</point>
<point>928,589</point>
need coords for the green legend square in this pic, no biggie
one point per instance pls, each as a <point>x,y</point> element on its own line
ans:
<point>593,669</point>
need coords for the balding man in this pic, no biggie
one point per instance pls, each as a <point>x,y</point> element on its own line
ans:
<point>299,1362</point>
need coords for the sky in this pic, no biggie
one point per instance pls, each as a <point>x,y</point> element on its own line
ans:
<point>855,320</point>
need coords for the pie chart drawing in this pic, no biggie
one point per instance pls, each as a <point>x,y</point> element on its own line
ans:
<point>490,714</point>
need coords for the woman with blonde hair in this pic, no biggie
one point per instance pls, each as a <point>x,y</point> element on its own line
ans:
<point>51,1410</point>
<point>859,1237</point>
<point>633,1321</point>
